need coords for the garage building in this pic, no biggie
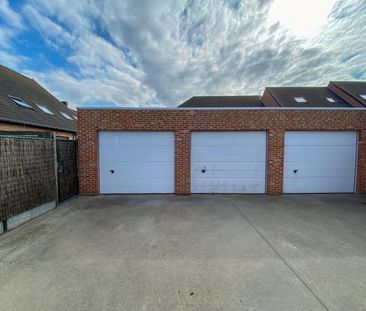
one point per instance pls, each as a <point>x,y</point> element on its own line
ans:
<point>288,142</point>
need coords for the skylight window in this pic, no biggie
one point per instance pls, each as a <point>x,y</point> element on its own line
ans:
<point>300,99</point>
<point>20,102</point>
<point>45,109</point>
<point>330,99</point>
<point>363,96</point>
<point>66,115</point>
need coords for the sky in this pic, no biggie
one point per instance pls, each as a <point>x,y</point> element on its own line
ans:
<point>160,53</point>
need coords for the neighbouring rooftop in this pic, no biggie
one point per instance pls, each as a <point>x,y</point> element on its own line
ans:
<point>223,101</point>
<point>24,101</point>
<point>291,97</point>
<point>355,89</point>
<point>306,97</point>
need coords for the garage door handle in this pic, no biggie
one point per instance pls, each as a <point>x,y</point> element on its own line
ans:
<point>203,170</point>
<point>295,171</point>
<point>112,171</point>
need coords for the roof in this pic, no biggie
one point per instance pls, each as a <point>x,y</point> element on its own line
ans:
<point>314,96</point>
<point>28,90</point>
<point>223,101</point>
<point>353,88</point>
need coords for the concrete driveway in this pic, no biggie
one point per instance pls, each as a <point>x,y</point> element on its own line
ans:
<point>199,252</point>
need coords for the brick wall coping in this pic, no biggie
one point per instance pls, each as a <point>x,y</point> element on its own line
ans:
<point>224,108</point>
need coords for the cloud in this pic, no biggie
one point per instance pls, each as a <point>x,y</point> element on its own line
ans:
<point>54,34</point>
<point>134,53</point>
<point>10,17</point>
<point>11,24</point>
<point>10,59</point>
<point>292,14</point>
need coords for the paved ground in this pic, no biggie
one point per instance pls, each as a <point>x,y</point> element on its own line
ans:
<point>198,252</point>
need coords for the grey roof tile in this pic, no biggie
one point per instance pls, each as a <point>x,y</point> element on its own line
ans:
<point>314,96</point>
<point>15,84</point>
<point>223,101</point>
<point>353,88</point>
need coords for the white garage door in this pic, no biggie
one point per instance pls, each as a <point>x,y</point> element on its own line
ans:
<point>228,162</point>
<point>319,162</point>
<point>136,162</point>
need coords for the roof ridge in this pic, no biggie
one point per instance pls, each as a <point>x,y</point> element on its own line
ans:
<point>17,73</point>
<point>38,84</point>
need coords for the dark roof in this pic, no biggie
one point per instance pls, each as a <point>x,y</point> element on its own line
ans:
<point>223,101</point>
<point>15,84</point>
<point>353,88</point>
<point>314,96</point>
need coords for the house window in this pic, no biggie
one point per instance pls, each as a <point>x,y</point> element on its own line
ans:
<point>20,102</point>
<point>363,96</point>
<point>330,99</point>
<point>45,109</point>
<point>300,99</point>
<point>66,115</point>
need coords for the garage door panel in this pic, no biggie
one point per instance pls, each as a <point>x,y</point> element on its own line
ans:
<point>136,185</point>
<point>233,162</point>
<point>107,139</point>
<point>318,169</point>
<point>142,162</point>
<point>144,138</point>
<point>319,162</point>
<point>320,138</point>
<point>229,153</point>
<point>135,169</point>
<point>316,153</point>
<point>228,185</point>
<point>227,169</point>
<point>228,138</point>
<point>137,153</point>
<point>320,185</point>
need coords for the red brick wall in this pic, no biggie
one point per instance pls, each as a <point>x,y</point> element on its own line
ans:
<point>182,122</point>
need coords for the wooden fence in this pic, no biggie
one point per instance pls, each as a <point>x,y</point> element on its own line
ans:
<point>30,173</point>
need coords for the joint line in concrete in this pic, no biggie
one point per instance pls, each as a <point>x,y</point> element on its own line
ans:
<point>279,255</point>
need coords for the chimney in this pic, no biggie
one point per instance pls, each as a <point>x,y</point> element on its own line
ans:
<point>65,103</point>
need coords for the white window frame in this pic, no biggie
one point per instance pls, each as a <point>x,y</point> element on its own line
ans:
<point>45,109</point>
<point>300,99</point>
<point>20,102</point>
<point>66,116</point>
